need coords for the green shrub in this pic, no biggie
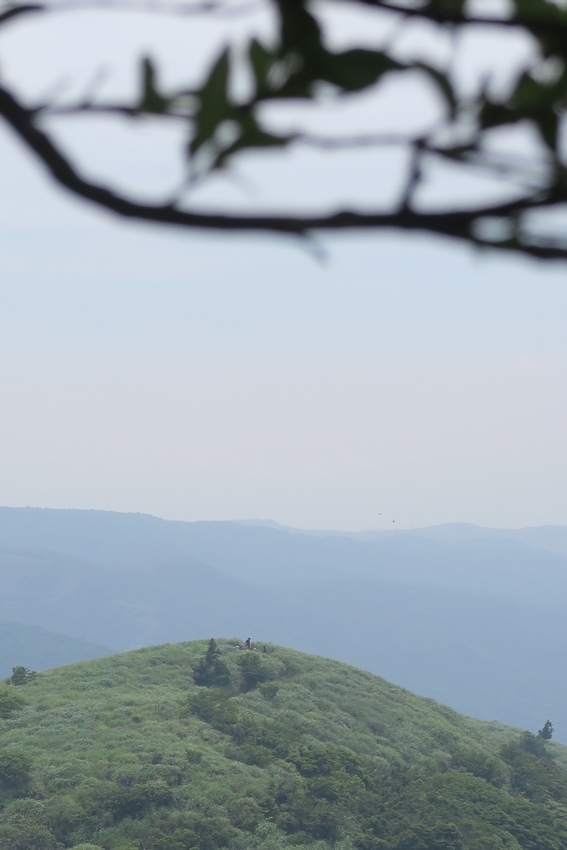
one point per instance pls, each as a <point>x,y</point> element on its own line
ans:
<point>26,837</point>
<point>254,669</point>
<point>215,708</point>
<point>15,773</point>
<point>10,701</point>
<point>86,847</point>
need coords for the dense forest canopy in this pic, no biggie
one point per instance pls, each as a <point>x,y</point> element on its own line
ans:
<point>452,110</point>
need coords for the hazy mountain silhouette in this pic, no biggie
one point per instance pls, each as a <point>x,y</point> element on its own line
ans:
<point>39,649</point>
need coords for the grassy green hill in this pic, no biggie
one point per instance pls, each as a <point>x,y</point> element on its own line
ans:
<point>275,749</point>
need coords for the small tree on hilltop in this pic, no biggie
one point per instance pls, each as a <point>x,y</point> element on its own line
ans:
<point>22,676</point>
<point>547,732</point>
<point>211,669</point>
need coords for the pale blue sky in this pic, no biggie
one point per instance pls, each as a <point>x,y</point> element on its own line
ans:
<point>200,376</point>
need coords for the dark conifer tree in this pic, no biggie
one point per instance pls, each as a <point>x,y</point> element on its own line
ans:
<point>211,670</point>
<point>547,732</point>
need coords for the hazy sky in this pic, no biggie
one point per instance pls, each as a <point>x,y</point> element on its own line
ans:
<point>199,376</point>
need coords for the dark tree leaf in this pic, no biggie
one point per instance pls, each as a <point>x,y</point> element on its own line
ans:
<point>355,70</point>
<point>151,100</point>
<point>262,62</point>
<point>299,30</point>
<point>214,103</point>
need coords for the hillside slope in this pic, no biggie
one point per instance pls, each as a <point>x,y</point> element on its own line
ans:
<point>293,750</point>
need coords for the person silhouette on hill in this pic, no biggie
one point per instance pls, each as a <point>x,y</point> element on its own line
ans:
<point>248,643</point>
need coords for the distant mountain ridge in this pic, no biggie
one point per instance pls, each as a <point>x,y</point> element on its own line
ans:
<point>473,617</point>
<point>494,563</point>
<point>549,538</point>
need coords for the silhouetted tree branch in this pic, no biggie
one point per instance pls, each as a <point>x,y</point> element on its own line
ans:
<point>299,66</point>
